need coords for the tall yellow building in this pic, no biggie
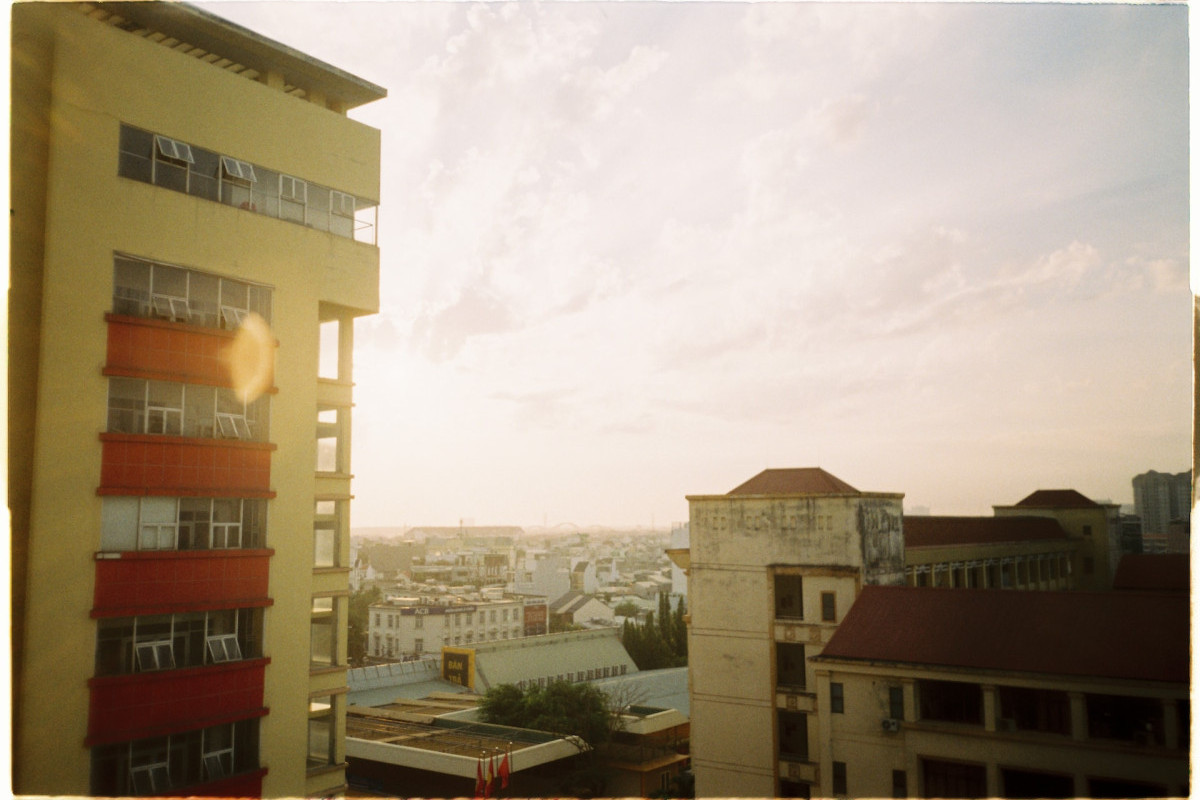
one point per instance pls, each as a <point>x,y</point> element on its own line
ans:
<point>192,238</point>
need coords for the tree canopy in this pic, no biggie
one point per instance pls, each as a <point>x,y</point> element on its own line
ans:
<point>659,641</point>
<point>566,709</point>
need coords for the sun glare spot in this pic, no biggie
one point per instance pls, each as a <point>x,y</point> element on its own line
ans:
<point>250,358</point>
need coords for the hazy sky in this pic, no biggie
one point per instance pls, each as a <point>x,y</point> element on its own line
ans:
<point>631,252</point>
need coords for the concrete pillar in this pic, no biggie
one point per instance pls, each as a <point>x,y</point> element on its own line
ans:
<point>993,780</point>
<point>1078,719</point>
<point>1170,724</point>
<point>989,717</point>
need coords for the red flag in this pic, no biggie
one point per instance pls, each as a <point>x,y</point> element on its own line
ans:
<point>479,785</point>
<point>504,772</point>
<point>491,779</point>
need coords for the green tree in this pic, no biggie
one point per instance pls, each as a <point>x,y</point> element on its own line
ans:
<point>679,626</point>
<point>359,623</point>
<point>627,608</point>
<point>566,709</point>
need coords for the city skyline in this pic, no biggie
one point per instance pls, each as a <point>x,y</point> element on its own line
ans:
<point>635,252</point>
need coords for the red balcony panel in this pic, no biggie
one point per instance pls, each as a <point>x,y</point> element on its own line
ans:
<point>173,465</point>
<point>125,707</point>
<point>169,581</point>
<point>156,349</point>
<point>248,784</point>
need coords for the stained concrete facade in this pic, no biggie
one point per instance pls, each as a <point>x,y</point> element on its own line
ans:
<point>773,566</point>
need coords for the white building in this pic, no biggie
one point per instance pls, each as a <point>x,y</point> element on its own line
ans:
<point>412,627</point>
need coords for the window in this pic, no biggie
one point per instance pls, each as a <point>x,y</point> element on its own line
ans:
<point>1041,710</point>
<point>418,645</point>
<point>293,196</point>
<point>330,431</point>
<point>182,167</point>
<point>828,607</point>
<point>789,600</point>
<point>1022,783</point>
<point>899,783</point>
<point>839,778</point>
<point>836,698</point>
<point>419,621</point>
<point>793,735</point>
<point>951,701</point>
<point>320,732</point>
<point>164,408</point>
<point>896,702</point>
<point>172,764</point>
<point>144,288</point>
<point>953,779</point>
<point>151,643</point>
<point>1131,719</point>
<point>189,523</point>
<point>790,667</point>
<point>217,750</point>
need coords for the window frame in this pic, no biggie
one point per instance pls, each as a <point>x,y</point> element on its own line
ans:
<point>837,698</point>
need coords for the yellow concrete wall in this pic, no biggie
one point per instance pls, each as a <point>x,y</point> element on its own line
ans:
<point>102,77</point>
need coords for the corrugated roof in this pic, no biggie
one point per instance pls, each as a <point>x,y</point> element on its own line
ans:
<point>1057,498</point>
<point>1128,635</point>
<point>801,480</point>
<point>1154,572</point>
<point>921,531</point>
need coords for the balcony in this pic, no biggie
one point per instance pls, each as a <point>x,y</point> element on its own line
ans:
<point>182,466</point>
<point>160,349</point>
<point>145,704</point>
<point>165,581</point>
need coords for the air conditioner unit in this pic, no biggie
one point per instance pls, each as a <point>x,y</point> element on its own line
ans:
<point>891,725</point>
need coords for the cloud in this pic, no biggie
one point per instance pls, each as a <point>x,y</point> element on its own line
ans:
<point>441,334</point>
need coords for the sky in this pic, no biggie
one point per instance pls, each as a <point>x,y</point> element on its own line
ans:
<point>631,252</point>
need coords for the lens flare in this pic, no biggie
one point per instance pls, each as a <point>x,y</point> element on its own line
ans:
<point>250,358</point>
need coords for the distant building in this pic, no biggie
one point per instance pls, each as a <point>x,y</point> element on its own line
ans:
<point>574,656</point>
<point>576,608</point>
<point>988,552</point>
<point>1094,526</point>
<point>678,541</point>
<point>413,626</point>
<point>1161,498</point>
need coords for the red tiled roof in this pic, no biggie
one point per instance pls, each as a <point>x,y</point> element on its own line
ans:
<point>1154,572</point>
<point>803,480</point>
<point>1057,498</point>
<point>1130,635</point>
<point>922,531</point>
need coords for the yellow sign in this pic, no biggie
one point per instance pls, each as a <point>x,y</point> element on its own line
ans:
<point>458,666</point>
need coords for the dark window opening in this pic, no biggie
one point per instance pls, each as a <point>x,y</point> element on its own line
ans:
<point>1022,784</point>
<point>789,599</point>
<point>828,607</point>
<point>896,702</point>
<point>953,779</point>
<point>1108,787</point>
<point>837,698</point>
<point>790,665</point>
<point>793,735</point>
<point>899,783</point>
<point>839,778</point>
<point>1130,719</point>
<point>950,701</point>
<point>1034,710</point>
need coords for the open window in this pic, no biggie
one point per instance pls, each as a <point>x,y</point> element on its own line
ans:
<point>149,769</point>
<point>172,163</point>
<point>153,656</point>
<point>217,751</point>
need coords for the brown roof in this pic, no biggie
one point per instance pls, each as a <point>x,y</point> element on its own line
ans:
<point>920,531</point>
<point>802,480</point>
<point>1154,572</point>
<point>1057,498</point>
<point>1130,635</point>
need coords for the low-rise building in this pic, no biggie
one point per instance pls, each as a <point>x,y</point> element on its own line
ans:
<point>998,694</point>
<point>414,625</point>
<point>988,552</point>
